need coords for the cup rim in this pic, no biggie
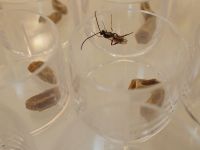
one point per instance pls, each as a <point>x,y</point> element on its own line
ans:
<point>186,104</point>
<point>162,18</point>
<point>52,25</point>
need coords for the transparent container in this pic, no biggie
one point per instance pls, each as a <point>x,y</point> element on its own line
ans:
<point>191,94</point>
<point>33,66</point>
<point>184,15</point>
<point>59,11</point>
<point>85,8</point>
<point>14,134</point>
<point>181,133</point>
<point>108,81</point>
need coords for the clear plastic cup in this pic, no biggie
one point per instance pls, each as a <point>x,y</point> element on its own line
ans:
<point>184,15</point>
<point>14,134</point>
<point>102,75</point>
<point>59,11</point>
<point>181,133</point>
<point>191,94</point>
<point>34,68</point>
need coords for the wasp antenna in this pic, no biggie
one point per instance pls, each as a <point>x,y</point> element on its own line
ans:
<point>127,34</point>
<point>95,13</point>
<point>87,39</point>
<point>111,22</point>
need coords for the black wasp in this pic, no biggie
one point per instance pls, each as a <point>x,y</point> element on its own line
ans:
<point>113,37</point>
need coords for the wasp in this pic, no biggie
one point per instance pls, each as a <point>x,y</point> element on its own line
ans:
<point>112,36</point>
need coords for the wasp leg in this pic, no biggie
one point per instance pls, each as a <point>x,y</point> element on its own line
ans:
<point>111,22</point>
<point>126,34</point>
<point>113,42</point>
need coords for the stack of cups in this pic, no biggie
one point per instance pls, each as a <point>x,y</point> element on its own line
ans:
<point>35,63</point>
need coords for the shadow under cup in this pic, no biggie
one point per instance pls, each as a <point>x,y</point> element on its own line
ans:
<point>35,65</point>
<point>120,92</point>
